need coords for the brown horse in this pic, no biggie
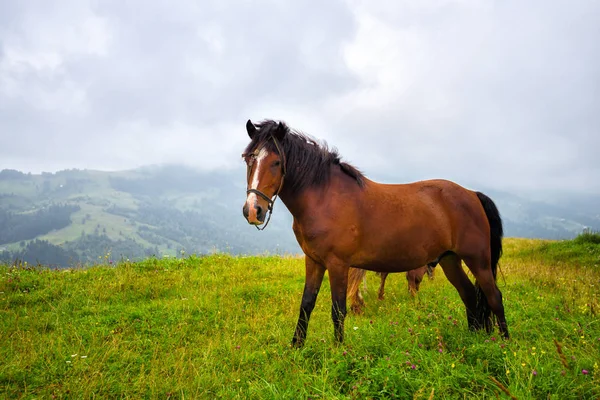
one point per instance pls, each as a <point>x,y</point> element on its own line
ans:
<point>342,220</point>
<point>356,276</point>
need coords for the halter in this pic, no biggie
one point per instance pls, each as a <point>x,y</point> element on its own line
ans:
<point>270,202</point>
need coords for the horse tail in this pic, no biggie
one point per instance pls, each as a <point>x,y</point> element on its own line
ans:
<point>496,234</point>
<point>496,230</point>
<point>355,277</point>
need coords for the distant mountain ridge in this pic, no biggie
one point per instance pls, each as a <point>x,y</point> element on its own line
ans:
<point>82,216</point>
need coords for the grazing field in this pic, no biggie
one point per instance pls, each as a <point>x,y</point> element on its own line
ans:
<point>220,326</point>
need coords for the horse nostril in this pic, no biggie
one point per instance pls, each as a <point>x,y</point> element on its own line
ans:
<point>259,212</point>
<point>246,211</point>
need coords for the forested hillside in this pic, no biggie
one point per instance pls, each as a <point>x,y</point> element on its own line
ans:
<point>74,216</point>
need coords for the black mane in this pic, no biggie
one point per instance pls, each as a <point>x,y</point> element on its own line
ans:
<point>308,162</point>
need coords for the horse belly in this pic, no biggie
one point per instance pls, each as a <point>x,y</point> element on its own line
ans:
<point>391,260</point>
<point>402,249</point>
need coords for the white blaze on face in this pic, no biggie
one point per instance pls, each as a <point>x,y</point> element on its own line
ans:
<point>251,199</point>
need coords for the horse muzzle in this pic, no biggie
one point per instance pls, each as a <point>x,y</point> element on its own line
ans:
<point>254,213</point>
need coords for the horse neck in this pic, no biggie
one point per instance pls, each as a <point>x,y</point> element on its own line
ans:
<point>308,200</point>
<point>297,203</point>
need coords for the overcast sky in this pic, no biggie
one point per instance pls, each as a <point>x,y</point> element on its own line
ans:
<point>504,94</point>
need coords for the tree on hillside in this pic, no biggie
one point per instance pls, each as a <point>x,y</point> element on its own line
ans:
<point>24,226</point>
<point>44,253</point>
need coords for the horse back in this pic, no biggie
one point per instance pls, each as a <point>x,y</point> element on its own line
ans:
<point>409,225</point>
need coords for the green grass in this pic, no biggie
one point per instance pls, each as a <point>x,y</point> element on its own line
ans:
<point>220,327</point>
<point>584,250</point>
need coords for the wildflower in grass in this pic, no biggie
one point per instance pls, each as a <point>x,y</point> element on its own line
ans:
<point>237,347</point>
<point>345,352</point>
<point>585,371</point>
<point>534,372</point>
<point>83,356</point>
<point>73,355</point>
<point>355,328</point>
<point>413,366</point>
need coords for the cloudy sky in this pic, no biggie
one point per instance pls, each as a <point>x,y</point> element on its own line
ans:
<point>504,94</point>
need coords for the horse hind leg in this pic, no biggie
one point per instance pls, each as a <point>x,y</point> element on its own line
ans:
<point>431,270</point>
<point>489,297</point>
<point>412,284</point>
<point>357,302</point>
<point>451,264</point>
<point>381,292</point>
<point>414,278</point>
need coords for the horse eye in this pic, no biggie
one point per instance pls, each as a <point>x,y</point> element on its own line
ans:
<point>277,163</point>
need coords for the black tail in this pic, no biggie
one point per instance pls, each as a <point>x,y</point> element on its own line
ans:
<point>496,230</point>
<point>496,233</point>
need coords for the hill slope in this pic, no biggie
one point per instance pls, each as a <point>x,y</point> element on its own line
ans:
<point>161,211</point>
<point>78,216</point>
<point>220,327</point>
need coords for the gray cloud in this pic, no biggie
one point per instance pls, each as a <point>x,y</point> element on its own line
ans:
<point>502,94</point>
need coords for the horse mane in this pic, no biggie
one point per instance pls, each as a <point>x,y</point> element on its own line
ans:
<point>308,161</point>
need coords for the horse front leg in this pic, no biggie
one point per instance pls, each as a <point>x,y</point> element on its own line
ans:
<point>314,278</point>
<point>338,281</point>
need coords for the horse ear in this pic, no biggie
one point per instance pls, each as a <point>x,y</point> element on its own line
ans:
<point>251,129</point>
<point>281,131</point>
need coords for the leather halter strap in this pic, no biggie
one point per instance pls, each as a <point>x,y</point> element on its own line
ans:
<point>270,202</point>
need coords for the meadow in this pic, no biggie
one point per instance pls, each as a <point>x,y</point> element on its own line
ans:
<point>219,326</point>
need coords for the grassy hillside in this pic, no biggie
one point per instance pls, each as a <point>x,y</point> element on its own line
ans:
<point>220,326</point>
<point>133,214</point>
